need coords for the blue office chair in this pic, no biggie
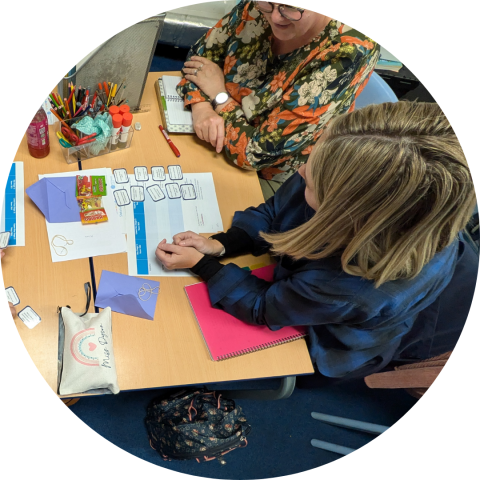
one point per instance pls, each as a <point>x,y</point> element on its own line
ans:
<point>376,91</point>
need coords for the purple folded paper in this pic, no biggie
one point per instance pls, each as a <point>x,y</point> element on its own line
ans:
<point>55,197</point>
<point>129,295</point>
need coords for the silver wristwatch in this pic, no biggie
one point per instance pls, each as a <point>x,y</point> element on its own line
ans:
<point>220,99</point>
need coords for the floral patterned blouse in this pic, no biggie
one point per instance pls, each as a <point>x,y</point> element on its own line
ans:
<point>282,103</point>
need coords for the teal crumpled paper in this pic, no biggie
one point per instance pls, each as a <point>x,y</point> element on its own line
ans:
<point>101,125</point>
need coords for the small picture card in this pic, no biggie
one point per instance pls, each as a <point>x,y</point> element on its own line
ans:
<point>175,172</point>
<point>137,193</point>
<point>121,175</point>
<point>173,190</point>
<point>141,174</point>
<point>155,193</point>
<point>121,197</point>
<point>12,296</point>
<point>188,191</point>
<point>158,174</point>
<point>29,317</point>
<point>4,238</point>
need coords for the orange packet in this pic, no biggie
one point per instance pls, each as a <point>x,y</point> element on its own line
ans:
<point>93,216</point>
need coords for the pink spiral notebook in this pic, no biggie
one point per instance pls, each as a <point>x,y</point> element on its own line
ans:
<point>225,335</point>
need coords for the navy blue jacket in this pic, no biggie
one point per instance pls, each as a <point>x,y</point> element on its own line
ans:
<point>351,323</point>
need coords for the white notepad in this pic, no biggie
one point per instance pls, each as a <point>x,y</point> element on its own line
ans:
<point>177,115</point>
<point>177,119</point>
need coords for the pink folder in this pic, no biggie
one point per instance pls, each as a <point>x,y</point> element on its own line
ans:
<point>225,335</point>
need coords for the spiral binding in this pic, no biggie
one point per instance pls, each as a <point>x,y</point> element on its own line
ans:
<point>262,346</point>
<point>174,98</point>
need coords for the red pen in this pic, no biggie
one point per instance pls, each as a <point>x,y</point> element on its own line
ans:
<point>167,138</point>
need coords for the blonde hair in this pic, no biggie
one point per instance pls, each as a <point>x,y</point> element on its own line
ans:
<point>393,188</point>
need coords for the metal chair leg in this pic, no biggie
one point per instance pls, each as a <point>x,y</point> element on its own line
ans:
<point>286,388</point>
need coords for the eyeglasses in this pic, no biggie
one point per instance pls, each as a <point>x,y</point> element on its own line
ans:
<point>290,13</point>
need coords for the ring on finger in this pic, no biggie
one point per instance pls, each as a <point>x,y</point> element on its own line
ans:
<point>201,66</point>
<point>195,72</point>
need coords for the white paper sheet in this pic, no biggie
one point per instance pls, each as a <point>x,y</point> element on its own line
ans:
<point>147,223</point>
<point>71,241</point>
<point>177,115</point>
<point>13,208</point>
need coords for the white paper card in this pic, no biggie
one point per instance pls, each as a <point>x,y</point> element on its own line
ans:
<point>155,193</point>
<point>4,238</point>
<point>188,191</point>
<point>12,295</point>
<point>29,317</point>
<point>121,197</point>
<point>71,241</point>
<point>175,172</point>
<point>121,175</point>
<point>173,190</point>
<point>158,174</point>
<point>141,174</point>
<point>137,193</point>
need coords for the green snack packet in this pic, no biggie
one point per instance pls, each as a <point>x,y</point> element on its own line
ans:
<point>99,186</point>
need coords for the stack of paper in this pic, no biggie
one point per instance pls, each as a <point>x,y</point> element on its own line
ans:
<point>55,196</point>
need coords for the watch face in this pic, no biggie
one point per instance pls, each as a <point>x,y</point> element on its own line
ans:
<point>221,98</point>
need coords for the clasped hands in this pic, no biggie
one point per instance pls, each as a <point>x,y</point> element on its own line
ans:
<point>186,250</point>
<point>209,78</point>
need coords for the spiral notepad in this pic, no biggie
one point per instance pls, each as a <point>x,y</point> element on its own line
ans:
<point>175,118</point>
<point>226,336</point>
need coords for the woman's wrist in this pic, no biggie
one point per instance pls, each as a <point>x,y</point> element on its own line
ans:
<point>223,105</point>
<point>218,250</point>
<point>207,267</point>
<point>201,106</point>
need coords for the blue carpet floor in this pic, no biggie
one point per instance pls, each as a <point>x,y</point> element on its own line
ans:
<point>279,443</point>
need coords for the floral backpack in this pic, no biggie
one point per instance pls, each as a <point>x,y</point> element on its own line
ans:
<point>196,424</point>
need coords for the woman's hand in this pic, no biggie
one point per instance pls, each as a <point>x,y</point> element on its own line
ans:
<point>208,125</point>
<point>206,75</point>
<point>174,256</point>
<point>202,244</point>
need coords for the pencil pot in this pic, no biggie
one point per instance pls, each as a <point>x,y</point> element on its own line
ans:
<point>89,137</point>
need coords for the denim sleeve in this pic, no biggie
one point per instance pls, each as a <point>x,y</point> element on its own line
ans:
<point>293,301</point>
<point>254,220</point>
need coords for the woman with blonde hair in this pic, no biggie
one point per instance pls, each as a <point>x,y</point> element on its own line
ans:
<point>365,236</point>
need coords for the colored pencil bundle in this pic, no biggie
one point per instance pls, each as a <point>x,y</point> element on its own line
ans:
<point>80,100</point>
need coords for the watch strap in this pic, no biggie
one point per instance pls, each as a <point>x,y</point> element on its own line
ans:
<point>214,102</point>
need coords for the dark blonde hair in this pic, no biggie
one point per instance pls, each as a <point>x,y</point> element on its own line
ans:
<point>393,188</point>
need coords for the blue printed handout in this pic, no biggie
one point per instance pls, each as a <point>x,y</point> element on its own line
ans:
<point>55,197</point>
<point>129,295</point>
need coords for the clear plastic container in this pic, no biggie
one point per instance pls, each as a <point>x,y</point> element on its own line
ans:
<point>83,152</point>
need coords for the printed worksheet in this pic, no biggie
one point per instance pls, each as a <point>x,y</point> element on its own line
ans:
<point>13,208</point>
<point>71,241</point>
<point>168,207</point>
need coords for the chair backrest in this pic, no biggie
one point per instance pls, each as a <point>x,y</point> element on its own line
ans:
<point>416,378</point>
<point>376,91</point>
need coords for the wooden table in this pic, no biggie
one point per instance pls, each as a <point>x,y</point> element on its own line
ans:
<point>40,283</point>
<point>169,350</point>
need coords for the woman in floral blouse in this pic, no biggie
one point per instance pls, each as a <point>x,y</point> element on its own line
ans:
<point>287,71</point>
